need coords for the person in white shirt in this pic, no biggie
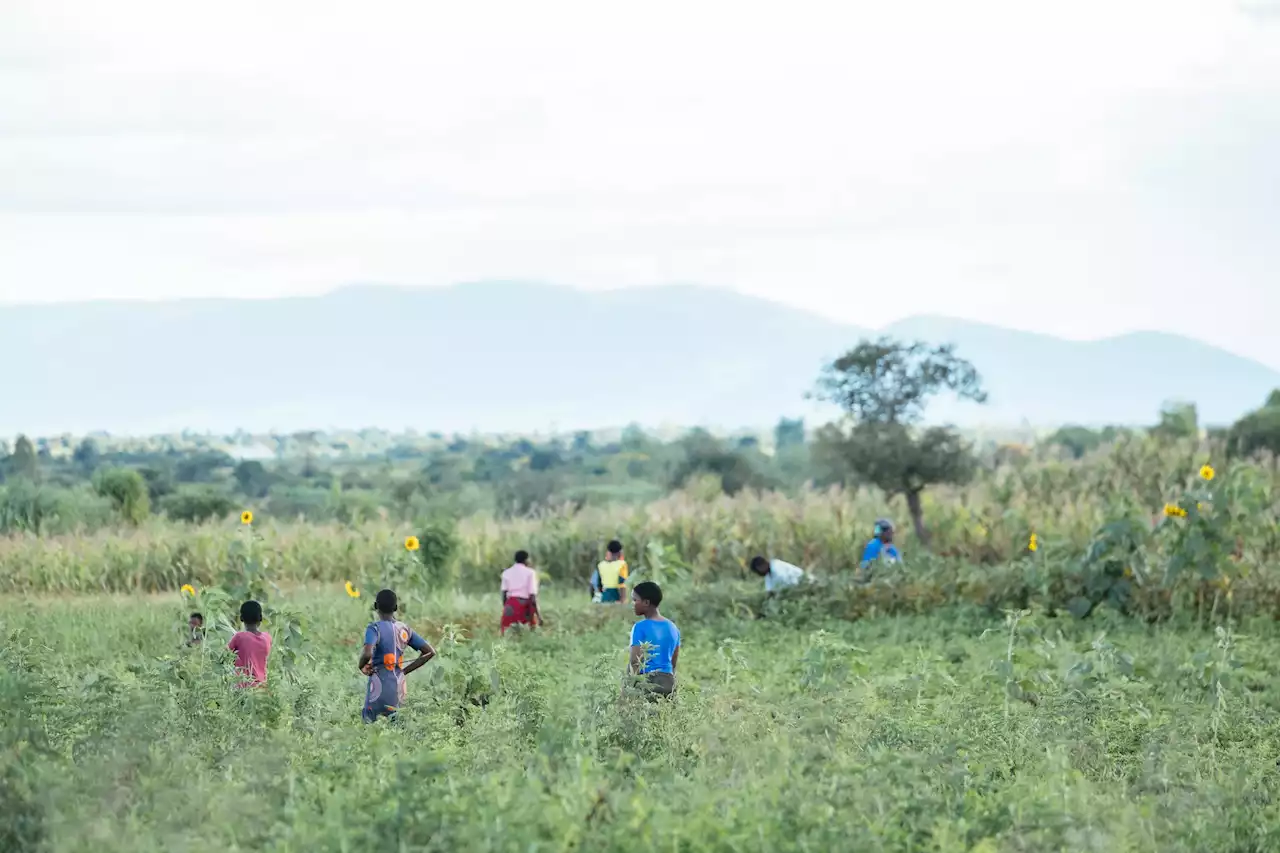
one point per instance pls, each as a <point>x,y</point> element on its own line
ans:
<point>777,574</point>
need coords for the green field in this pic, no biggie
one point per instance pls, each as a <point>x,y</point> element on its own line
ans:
<point>950,731</point>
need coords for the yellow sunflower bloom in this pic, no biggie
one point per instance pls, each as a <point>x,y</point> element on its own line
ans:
<point>1033,544</point>
<point>1173,511</point>
<point>246,517</point>
<point>411,543</point>
<point>188,589</point>
<point>352,591</point>
<point>1207,472</point>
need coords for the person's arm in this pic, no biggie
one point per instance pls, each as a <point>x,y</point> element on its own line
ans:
<point>870,552</point>
<point>365,664</point>
<point>622,581</point>
<point>675,656</point>
<point>637,660</point>
<point>533,600</point>
<point>425,651</point>
<point>637,652</point>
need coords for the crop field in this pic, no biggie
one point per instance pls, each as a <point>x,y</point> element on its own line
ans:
<point>1111,684</point>
<point>951,731</point>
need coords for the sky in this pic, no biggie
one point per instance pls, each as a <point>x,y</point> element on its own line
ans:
<point>1081,169</point>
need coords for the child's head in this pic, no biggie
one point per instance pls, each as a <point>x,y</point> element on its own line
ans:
<point>522,558</point>
<point>614,550</point>
<point>646,597</point>
<point>385,602</point>
<point>884,530</point>
<point>196,622</point>
<point>251,613</point>
<point>760,566</point>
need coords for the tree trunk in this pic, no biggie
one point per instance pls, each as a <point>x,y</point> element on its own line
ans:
<point>917,517</point>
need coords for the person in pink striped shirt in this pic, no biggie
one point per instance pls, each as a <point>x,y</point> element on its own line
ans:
<point>520,594</point>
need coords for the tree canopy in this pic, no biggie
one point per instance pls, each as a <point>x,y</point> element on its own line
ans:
<point>884,388</point>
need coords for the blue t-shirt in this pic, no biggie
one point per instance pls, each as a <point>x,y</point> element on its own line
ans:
<point>661,638</point>
<point>875,549</point>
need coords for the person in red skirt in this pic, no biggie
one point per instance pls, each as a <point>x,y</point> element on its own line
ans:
<point>520,594</point>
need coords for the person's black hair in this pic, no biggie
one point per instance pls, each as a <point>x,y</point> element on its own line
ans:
<point>251,613</point>
<point>199,616</point>
<point>758,563</point>
<point>385,601</point>
<point>522,556</point>
<point>614,547</point>
<point>649,591</point>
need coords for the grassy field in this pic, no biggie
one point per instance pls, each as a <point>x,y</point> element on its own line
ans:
<point>952,731</point>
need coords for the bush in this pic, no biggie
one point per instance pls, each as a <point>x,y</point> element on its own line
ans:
<point>196,505</point>
<point>127,491</point>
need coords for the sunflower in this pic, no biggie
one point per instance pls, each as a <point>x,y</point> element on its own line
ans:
<point>1207,472</point>
<point>411,543</point>
<point>188,589</point>
<point>1033,544</point>
<point>246,517</point>
<point>1173,511</point>
<point>352,591</point>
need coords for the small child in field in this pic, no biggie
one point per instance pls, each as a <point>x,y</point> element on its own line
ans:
<point>655,643</point>
<point>195,626</point>
<point>252,645</point>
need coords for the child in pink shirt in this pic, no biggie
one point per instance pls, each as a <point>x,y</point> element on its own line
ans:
<point>520,594</point>
<point>252,645</point>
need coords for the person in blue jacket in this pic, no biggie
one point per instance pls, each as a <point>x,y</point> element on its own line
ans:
<point>880,547</point>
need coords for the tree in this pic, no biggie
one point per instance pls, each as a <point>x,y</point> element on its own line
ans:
<point>126,489</point>
<point>1257,431</point>
<point>87,455</point>
<point>884,387</point>
<point>253,478</point>
<point>705,454</point>
<point>23,462</point>
<point>788,433</point>
<point>1177,420</point>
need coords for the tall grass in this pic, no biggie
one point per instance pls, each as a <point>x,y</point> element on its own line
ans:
<point>981,530</point>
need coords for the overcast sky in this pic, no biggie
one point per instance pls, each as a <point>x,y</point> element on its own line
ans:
<point>1079,168</point>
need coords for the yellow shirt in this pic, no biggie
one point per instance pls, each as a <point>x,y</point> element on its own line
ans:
<point>613,573</point>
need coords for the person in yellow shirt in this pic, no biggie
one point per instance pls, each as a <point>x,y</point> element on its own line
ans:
<point>611,574</point>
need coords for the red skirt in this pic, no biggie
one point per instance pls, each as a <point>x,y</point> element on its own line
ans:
<point>517,610</point>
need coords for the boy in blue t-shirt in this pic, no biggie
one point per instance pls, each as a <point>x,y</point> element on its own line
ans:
<point>655,643</point>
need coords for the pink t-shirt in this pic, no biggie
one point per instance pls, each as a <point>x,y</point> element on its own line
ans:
<point>251,655</point>
<point>520,581</point>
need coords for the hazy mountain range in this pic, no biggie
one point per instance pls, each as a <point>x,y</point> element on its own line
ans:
<point>519,356</point>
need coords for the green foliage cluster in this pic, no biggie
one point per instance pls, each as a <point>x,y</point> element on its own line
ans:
<point>508,477</point>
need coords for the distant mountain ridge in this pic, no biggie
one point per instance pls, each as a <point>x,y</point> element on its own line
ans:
<point>515,356</point>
